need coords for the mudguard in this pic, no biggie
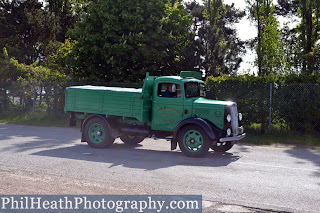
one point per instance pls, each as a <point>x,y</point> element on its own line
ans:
<point>196,121</point>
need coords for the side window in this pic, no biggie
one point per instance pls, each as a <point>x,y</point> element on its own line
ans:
<point>169,90</point>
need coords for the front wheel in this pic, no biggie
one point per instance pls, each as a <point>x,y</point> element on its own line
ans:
<point>222,147</point>
<point>193,141</point>
<point>97,133</point>
<point>131,139</point>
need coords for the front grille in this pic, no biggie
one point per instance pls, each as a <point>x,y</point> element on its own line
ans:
<point>234,119</point>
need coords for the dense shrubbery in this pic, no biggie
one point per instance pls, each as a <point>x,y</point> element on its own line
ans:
<point>298,105</point>
<point>22,81</point>
<point>295,104</point>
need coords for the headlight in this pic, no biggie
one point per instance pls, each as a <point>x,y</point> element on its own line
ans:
<point>228,131</point>
<point>229,118</point>
<point>240,117</point>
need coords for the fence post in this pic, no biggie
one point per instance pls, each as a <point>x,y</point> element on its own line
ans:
<point>34,97</point>
<point>270,108</point>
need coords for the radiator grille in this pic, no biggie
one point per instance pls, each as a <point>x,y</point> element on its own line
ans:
<point>234,119</point>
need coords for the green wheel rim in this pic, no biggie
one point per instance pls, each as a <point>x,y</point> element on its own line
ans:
<point>193,141</point>
<point>96,133</point>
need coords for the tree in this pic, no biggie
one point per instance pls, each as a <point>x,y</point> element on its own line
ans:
<point>309,33</point>
<point>9,71</point>
<point>268,48</point>
<point>50,81</point>
<point>287,7</point>
<point>291,49</point>
<point>17,34</point>
<point>121,41</point>
<point>194,55</point>
<point>65,13</point>
<point>221,45</point>
<point>31,32</point>
<point>303,38</point>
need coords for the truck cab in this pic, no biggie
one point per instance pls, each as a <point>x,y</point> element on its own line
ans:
<point>187,108</point>
<point>172,107</point>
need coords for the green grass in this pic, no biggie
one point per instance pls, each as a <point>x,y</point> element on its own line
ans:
<point>310,140</point>
<point>279,135</point>
<point>36,119</point>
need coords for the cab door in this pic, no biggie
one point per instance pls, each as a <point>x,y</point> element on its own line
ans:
<point>167,112</point>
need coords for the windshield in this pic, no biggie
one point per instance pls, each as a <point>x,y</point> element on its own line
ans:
<point>194,89</point>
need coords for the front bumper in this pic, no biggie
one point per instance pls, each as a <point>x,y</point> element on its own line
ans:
<point>234,138</point>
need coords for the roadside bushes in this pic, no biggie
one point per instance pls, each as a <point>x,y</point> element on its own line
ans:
<point>295,102</point>
<point>22,85</point>
<point>298,105</point>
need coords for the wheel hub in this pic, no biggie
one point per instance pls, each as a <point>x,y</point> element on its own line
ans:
<point>96,133</point>
<point>192,140</point>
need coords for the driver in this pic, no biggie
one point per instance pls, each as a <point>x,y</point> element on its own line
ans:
<point>171,91</point>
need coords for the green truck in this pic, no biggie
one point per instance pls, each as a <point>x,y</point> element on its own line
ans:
<point>170,107</point>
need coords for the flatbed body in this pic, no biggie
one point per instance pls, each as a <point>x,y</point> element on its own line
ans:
<point>111,101</point>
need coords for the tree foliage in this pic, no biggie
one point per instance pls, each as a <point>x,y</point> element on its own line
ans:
<point>65,14</point>
<point>222,44</point>
<point>267,43</point>
<point>309,33</point>
<point>287,7</point>
<point>12,70</point>
<point>217,49</point>
<point>31,32</point>
<point>21,29</point>
<point>120,41</point>
<point>302,41</point>
<point>117,40</point>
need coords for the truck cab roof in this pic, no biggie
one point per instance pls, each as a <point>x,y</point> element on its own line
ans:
<point>176,79</point>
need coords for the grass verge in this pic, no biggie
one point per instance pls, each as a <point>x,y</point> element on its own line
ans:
<point>37,119</point>
<point>307,140</point>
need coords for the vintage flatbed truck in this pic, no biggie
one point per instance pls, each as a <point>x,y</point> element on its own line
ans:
<point>185,116</point>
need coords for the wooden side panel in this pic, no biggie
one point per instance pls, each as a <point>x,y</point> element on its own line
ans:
<point>122,104</point>
<point>104,101</point>
<point>87,101</point>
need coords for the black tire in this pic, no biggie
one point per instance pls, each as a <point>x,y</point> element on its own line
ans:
<point>97,133</point>
<point>132,139</point>
<point>222,147</point>
<point>193,141</point>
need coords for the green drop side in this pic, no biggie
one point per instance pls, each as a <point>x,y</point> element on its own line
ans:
<point>115,101</point>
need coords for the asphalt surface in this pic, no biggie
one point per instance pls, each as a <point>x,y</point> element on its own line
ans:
<point>245,179</point>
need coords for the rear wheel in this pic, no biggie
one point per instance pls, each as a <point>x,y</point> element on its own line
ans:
<point>193,141</point>
<point>131,139</point>
<point>97,133</point>
<point>222,147</point>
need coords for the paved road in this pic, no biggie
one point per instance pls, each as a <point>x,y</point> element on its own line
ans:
<point>281,179</point>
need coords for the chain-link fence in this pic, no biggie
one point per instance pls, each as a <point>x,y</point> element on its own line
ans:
<point>297,107</point>
<point>273,107</point>
<point>265,107</point>
<point>17,98</point>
